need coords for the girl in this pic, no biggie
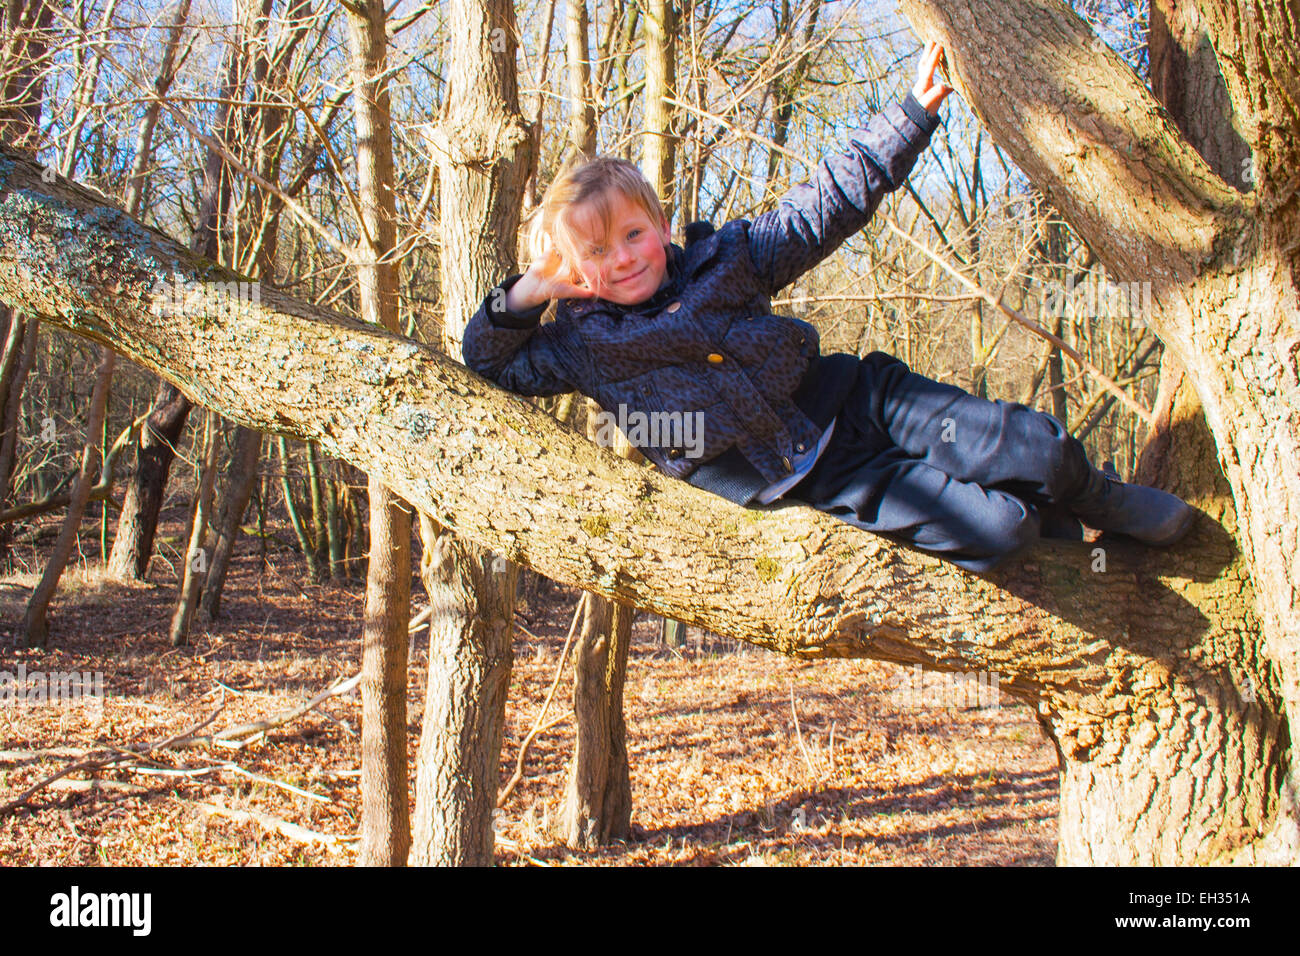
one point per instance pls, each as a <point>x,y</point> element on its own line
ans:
<point>648,328</point>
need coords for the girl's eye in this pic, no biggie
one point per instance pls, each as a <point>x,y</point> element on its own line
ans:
<point>634,233</point>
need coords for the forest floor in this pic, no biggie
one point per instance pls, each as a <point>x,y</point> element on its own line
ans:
<point>738,756</point>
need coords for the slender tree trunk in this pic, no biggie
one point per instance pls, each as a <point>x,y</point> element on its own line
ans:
<point>483,173</point>
<point>320,529</point>
<point>271,60</point>
<point>294,511</point>
<point>240,478</point>
<point>582,109</point>
<point>34,631</point>
<point>660,152</point>
<point>334,522</point>
<point>197,557</point>
<point>385,813</point>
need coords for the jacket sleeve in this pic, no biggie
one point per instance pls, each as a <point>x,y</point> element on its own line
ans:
<point>518,353</point>
<point>814,218</point>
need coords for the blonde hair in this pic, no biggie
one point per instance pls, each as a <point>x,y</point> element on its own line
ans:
<point>589,182</point>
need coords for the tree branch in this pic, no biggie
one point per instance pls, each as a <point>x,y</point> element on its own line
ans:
<point>499,471</point>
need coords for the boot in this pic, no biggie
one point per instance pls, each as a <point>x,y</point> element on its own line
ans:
<point>1152,516</point>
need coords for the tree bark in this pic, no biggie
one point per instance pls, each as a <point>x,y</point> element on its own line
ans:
<point>472,593</point>
<point>582,108</point>
<point>385,810</point>
<point>660,151</point>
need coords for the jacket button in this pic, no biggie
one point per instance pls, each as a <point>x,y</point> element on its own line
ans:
<point>716,359</point>
<point>788,467</point>
<point>800,447</point>
<point>674,453</point>
<point>673,307</point>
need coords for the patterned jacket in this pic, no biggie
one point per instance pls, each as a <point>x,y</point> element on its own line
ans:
<point>708,342</point>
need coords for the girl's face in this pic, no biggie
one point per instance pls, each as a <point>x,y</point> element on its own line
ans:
<point>629,263</point>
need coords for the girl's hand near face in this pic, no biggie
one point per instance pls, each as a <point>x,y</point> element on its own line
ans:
<point>545,280</point>
<point>926,91</point>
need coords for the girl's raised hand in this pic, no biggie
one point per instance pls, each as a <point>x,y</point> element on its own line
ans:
<point>544,280</point>
<point>926,91</point>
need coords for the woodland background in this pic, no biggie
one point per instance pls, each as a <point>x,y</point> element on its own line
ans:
<point>250,591</point>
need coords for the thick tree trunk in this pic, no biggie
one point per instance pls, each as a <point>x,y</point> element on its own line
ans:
<point>155,452</point>
<point>1134,787</point>
<point>385,811</point>
<point>482,175</point>
<point>598,796</point>
<point>472,593</point>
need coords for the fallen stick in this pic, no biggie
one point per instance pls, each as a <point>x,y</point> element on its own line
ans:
<point>270,723</point>
<point>275,824</point>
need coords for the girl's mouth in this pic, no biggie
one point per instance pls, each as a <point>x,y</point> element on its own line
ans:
<point>629,278</point>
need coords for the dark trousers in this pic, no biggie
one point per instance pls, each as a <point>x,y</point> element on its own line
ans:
<point>930,465</point>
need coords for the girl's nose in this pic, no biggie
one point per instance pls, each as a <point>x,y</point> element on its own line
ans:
<point>622,254</point>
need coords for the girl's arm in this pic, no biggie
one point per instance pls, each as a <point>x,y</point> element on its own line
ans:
<point>814,218</point>
<point>511,347</point>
